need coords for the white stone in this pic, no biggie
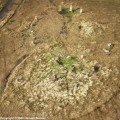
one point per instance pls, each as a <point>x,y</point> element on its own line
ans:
<point>109,44</point>
<point>60,8</point>
<point>36,17</point>
<point>31,31</point>
<point>81,11</point>
<point>82,56</point>
<point>70,8</point>
<point>105,50</point>
<point>69,57</point>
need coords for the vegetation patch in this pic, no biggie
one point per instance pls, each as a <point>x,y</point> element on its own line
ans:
<point>66,61</point>
<point>67,12</point>
<point>34,84</point>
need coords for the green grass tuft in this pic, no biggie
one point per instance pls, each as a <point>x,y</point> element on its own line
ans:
<point>65,11</point>
<point>69,61</point>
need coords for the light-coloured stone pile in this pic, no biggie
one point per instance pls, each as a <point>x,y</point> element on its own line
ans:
<point>89,29</point>
<point>77,85</point>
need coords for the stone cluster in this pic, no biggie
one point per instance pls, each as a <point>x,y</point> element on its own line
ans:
<point>77,83</point>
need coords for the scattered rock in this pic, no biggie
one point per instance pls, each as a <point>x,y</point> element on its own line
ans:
<point>81,11</point>
<point>36,17</point>
<point>96,68</point>
<point>110,45</point>
<point>105,50</point>
<point>82,56</point>
<point>31,31</point>
<point>59,8</point>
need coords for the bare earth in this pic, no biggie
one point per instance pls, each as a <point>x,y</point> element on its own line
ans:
<point>83,50</point>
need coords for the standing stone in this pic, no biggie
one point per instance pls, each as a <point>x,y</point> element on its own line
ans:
<point>36,17</point>
<point>82,56</point>
<point>70,8</point>
<point>81,11</point>
<point>60,8</point>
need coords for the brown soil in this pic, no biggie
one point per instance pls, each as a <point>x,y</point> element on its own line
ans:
<point>98,25</point>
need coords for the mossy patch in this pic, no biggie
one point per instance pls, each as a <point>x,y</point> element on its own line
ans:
<point>69,61</point>
<point>65,11</point>
<point>81,68</point>
<point>64,61</point>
